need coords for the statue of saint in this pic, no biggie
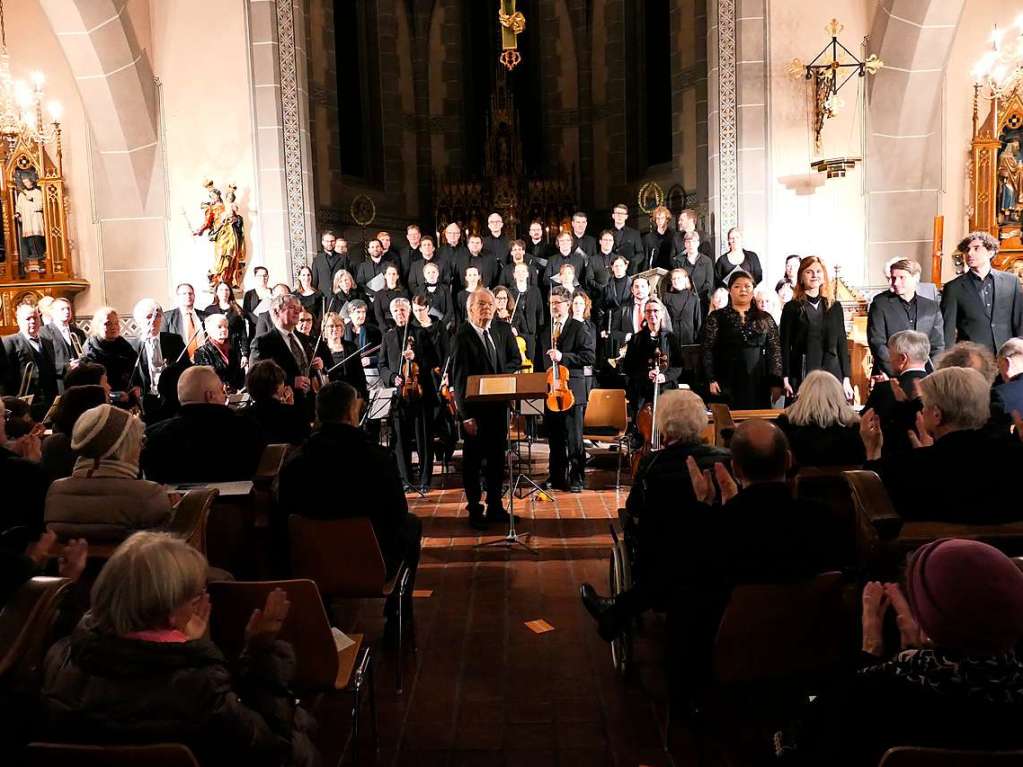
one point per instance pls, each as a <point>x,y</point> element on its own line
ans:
<point>227,233</point>
<point>1010,183</point>
<point>28,213</point>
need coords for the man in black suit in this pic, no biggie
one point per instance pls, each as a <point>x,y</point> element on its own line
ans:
<point>428,255</point>
<point>627,240</point>
<point>495,243</point>
<point>928,483</point>
<point>206,441</point>
<point>570,346</point>
<point>290,349</point>
<point>410,252</point>
<point>28,346</point>
<point>265,322</point>
<point>185,320</point>
<point>453,253</point>
<point>475,256</point>
<point>902,308</point>
<point>411,417</point>
<point>372,489</point>
<point>68,339</point>
<point>566,253</point>
<point>156,351</point>
<point>908,354</point>
<point>1007,395</point>
<point>582,243</point>
<point>984,305</point>
<point>328,262</point>
<point>482,347</point>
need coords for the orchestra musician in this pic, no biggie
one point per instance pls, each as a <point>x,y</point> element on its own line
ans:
<point>290,349</point>
<point>156,351</point>
<point>68,339</point>
<point>224,303</point>
<point>184,319</point>
<point>640,354</point>
<point>416,280</point>
<point>412,410</point>
<point>425,317</point>
<point>26,347</point>
<point>482,347</point>
<point>361,334</point>
<point>222,352</point>
<point>582,307</point>
<point>341,358</point>
<point>570,345</point>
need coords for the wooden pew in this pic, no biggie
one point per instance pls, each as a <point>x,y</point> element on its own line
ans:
<point>725,420</point>
<point>26,625</point>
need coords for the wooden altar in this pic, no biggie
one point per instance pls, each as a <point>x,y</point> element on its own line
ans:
<point>27,166</point>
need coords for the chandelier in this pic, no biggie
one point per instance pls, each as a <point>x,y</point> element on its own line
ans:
<point>21,103</point>
<point>998,70</point>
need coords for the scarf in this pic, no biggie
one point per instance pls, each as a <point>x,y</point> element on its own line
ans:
<point>103,468</point>
<point>996,679</point>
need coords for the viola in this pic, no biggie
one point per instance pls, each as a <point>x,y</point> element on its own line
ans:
<point>559,395</point>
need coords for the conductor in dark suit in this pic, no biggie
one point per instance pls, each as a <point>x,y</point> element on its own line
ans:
<point>28,346</point>
<point>288,348</point>
<point>68,339</point>
<point>482,347</point>
<point>571,346</point>
<point>902,308</point>
<point>984,305</point>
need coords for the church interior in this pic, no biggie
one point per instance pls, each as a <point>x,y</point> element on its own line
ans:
<point>717,303</point>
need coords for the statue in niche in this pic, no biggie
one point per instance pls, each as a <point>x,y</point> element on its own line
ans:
<point>28,215</point>
<point>1010,183</point>
<point>226,230</point>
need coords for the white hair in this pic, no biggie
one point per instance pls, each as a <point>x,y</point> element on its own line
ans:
<point>914,344</point>
<point>1011,348</point>
<point>961,394</point>
<point>399,301</point>
<point>212,320</point>
<point>681,416</point>
<point>821,402</point>
<point>143,307</point>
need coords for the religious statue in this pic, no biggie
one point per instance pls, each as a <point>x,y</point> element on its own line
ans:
<point>28,213</point>
<point>1010,183</point>
<point>227,233</point>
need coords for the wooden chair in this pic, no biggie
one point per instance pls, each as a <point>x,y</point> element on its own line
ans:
<point>607,420</point>
<point>827,486</point>
<point>910,756</point>
<point>320,669</point>
<point>725,420</point>
<point>26,625</point>
<point>343,557</point>
<point>68,755</point>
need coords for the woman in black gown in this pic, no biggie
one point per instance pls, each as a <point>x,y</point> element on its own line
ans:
<point>742,350</point>
<point>813,330</point>
<point>333,349</point>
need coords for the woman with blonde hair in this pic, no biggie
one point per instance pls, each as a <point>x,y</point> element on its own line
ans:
<point>822,429</point>
<point>813,330</point>
<point>139,667</point>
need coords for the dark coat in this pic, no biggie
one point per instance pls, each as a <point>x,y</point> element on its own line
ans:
<point>897,418</point>
<point>750,264</point>
<point>469,357</point>
<point>1006,397</point>
<point>171,346</point>
<point>272,346</point>
<point>174,323</point>
<point>497,247</point>
<point>578,262</point>
<point>229,371</point>
<point>886,317</point>
<point>701,274</point>
<point>485,263</point>
<point>351,372</point>
<point>813,445</point>
<point>111,690</point>
<point>685,313</point>
<point>278,423</point>
<point>43,381</point>
<point>658,250</point>
<point>629,244</point>
<point>179,448</point>
<point>638,363</point>
<point>117,356</point>
<point>24,484</point>
<point>382,306</point>
<point>966,318</point>
<point>577,348</point>
<point>416,280</point>
<point>426,357</point>
<point>325,266</point>
<point>237,328</point>
<point>369,334</point>
<point>63,353</point>
<point>793,330</point>
<point>369,269</point>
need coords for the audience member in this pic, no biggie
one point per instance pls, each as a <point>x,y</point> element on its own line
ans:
<point>178,448</point>
<point>87,374</point>
<point>139,667</point>
<point>103,499</point>
<point>18,567</point>
<point>895,401</point>
<point>110,349</point>
<point>57,456</point>
<point>1007,395</point>
<point>272,406</point>
<point>821,427</point>
<point>967,354</point>
<point>932,482</point>
<point>22,478</point>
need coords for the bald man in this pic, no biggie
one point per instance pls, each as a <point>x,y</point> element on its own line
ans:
<point>206,441</point>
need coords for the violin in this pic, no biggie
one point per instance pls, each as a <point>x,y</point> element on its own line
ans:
<point>411,389</point>
<point>559,395</point>
<point>647,416</point>
<point>447,394</point>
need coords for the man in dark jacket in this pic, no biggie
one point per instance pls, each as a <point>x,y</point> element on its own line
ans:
<point>23,480</point>
<point>373,489</point>
<point>68,339</point>
<point>902,308</point>
<point>1007,395</point>
<point>907,353</point>
<point>627,239</point>
<point>206,441</point>
<point>28,348</point>
<point>984,305</point>
<point>328,262</point>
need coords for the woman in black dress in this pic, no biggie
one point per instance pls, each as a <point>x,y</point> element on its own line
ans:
<point>813,330</point>
<point>659,242</point>
<point>741,350</point>
<point>255,296</point>
<point>581,308</point>
<point>683,307</point>
<point>343,290</point>
<point>110,349</point>
<point>222,352</point>
<point>737,260</point>
<point>224,303</point>
<point>382,300</point>
<point>307,295</point>
<point>333,349</point>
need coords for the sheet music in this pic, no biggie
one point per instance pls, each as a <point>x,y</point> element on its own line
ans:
<point>376,284</point>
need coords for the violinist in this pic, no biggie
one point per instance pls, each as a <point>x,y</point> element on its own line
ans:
<point>222,352</point>
<point>362,334</point>
<point>341,358</point>
<point>406,360</point>
<point>570,346</point>
<point>639,357</point>
<point>289,348</point>
<point>482,347</point>
<point>426,318</point>
<point>427,321</point>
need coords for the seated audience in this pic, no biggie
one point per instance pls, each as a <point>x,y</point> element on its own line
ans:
<point>57,456</point>
<point>17,567</point>
<point>821,427</point>
<point>103,499</point>
<point>87,374</point>
<point>272,406</point>
<point>967,354</point>
<point>338,441</point>
<point>956,682</point>
<point>139,667</point>
<point>23,479</point>
<point>933,482</point>
<point>895,401</point>
<point>1007,395</point>
<point>178,449</point>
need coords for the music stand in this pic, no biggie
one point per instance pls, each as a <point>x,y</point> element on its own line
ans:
<point>508,388</point>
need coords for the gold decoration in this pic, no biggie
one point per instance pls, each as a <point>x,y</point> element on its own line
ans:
<point>510,59</point>
<point>873,64</point>
<point>651,189</point>
<point>516,22</point>
<point>362,210</point>
<point>513,24</point>
<point>834,28</point>
<point>795,69</point>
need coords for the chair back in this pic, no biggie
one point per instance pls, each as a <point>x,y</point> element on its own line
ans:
<point>827,486</point>
<point>911,756</point>
<point>341,555</point>
<point>26,624</point>
<point>607,413</point>
<point>777,631</point>
<point>723,423</point>
<point>306,627</point>
<point>191,515</point>
<point>69,755</point>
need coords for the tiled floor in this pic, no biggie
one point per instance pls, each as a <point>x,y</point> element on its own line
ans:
<point>486,689</point>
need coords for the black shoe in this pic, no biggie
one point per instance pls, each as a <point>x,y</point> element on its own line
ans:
<point>499,514</point>
<point>600,609</point>
<point>552,483</point>
<point>476,519</point>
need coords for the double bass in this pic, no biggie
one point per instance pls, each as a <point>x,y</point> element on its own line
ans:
<point>646,418</point>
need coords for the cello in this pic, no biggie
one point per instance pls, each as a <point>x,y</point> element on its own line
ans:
<point>646,418</point>
<point>559,395</point>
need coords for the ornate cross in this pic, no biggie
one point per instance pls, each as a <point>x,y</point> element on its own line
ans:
<point>513,23</point>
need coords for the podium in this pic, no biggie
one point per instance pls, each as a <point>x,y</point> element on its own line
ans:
<point>510,388</point>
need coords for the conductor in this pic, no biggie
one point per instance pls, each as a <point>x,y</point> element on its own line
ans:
<point>483,347</point>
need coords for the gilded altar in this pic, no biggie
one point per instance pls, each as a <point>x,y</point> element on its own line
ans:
<point>35,259</point>
<point>996,173</point>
